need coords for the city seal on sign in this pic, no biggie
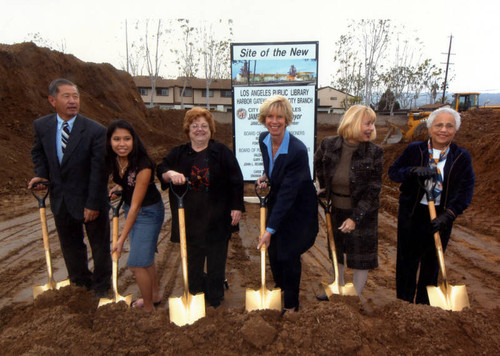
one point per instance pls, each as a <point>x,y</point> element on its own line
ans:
<point>241,113</point>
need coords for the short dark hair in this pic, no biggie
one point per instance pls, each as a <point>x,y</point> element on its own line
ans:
<point>56,83</point>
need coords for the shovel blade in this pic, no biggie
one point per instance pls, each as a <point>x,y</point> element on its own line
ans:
<point>453,298</point>
<point>334,288</point>
<point>37,290</point>
<point>118,298</point>
<point>183,312</point>
<point>263,299</point>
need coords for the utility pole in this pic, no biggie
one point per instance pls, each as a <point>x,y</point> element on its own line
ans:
<point>445,84</point>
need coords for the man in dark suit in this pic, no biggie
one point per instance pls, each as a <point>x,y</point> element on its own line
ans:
<point>68,152</point>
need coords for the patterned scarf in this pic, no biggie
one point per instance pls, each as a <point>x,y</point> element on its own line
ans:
<point>433,162</point>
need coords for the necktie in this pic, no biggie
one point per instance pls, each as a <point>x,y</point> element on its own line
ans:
<point>64,136</point>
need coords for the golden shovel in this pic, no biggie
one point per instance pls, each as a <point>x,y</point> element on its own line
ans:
<point>117,297</point>
<point>262,298</point>
<point>51,284</point>
<point>335,287</point>
<point>445,296</point>
<point>188,308</point>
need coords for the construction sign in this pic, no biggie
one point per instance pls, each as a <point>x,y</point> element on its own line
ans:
<point>261,70</point>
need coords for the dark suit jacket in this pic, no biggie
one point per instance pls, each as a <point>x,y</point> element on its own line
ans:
<point>292,202</point>
<point>80,179</point>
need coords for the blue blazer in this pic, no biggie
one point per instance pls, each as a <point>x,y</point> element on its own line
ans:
<point>292,203</point>
<point>80,179</point>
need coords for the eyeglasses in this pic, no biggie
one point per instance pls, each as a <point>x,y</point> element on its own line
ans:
<point>196,126</point>
<point>441,126</point>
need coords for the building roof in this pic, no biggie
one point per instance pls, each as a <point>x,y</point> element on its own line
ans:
<point>195,83</point>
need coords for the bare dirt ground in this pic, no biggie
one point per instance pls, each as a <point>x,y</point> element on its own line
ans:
<point>68,322</point>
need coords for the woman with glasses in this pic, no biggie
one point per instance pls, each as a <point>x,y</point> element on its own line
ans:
<point>449,167</point>
<point>213,203</point>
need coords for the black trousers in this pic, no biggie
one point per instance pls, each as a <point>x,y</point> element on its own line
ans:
<point>286,274</point>
<point>74,250</point>
<point>416,247</point>
<point>212,284</point>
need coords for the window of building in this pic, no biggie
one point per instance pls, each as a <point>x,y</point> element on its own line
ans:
<point>162,91</point>
<point>333,98</point>
<point>188,93</point>
<point>210,93</point>
<point>225,93</point>
<point>143,91</point>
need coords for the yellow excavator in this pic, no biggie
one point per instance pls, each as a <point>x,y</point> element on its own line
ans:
<point>416,124</point>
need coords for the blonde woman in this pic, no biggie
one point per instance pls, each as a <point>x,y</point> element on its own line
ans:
<point>349,169</point>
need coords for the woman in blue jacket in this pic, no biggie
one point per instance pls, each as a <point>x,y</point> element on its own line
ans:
<point>438,159</point>
<point>292,216</point>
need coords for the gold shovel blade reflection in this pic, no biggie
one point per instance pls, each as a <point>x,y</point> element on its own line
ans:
<point>186,309</point>
<point>334,288</point>
<point>118,298</point>
<point>37,290</point>
<point>453,298</point>
<point>263,298</point>
<point>446,296</point>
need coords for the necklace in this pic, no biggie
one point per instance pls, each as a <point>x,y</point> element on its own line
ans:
<point>122,167</point>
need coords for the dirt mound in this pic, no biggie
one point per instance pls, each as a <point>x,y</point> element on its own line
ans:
<point>68,320</point>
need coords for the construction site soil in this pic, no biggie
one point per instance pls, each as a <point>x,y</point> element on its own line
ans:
<point>68,322</point>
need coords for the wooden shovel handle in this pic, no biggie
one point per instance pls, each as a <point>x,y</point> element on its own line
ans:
<point>437,243</point>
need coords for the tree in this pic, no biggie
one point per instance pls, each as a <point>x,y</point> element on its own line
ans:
<point>37,39</point>
<point>153,61</point>
<point>293,71</point>
<point>388,101</point>
<point>374,38</point>
<point>349,78</point>
<point>215,55</point>
<point>399,78</point>
<point>187,60</point>
<point>358,54</point>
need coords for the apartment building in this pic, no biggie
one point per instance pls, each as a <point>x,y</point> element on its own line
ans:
<point>168,93</point>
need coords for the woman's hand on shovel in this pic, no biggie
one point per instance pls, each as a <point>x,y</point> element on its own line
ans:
<point>265,239</point>
<point>118,247</point>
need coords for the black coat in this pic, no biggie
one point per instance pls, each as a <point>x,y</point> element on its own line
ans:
<point>80,179</point>
<point>365,183</point>
<point>292,205</point>
<point>458,185</point>
<point>225,194</point>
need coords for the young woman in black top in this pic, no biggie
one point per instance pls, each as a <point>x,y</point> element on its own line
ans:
<point>132,170</point>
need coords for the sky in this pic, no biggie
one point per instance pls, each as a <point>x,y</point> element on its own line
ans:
<point>93,30</point>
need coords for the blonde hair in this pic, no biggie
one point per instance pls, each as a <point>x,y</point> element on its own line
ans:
<point>193,114</point>
<point>350,126</point>
<point>276,102</point>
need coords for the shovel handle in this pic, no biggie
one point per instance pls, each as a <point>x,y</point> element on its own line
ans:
<point>437,243</point>
<point>327,206</point>
<point>40,198</point>
<point>263,197</point>
<point>180,195</point>
<point>116,207</point>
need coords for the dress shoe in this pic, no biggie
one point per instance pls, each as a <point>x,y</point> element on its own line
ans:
<point>322,298</point>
